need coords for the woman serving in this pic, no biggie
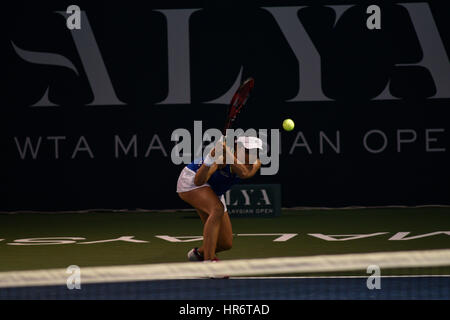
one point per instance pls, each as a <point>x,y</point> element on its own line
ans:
<point>203,186</point>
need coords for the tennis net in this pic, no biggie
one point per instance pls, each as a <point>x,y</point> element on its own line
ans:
<point>402,275</point>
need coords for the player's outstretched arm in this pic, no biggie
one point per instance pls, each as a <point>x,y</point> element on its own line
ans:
<point>243,171</point>
<point>253,169</point>
<point>246,171</point>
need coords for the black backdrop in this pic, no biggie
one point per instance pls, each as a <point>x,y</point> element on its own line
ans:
<point>357,65</point>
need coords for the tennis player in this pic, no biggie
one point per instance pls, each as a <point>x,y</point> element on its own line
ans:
<point>203,186</point>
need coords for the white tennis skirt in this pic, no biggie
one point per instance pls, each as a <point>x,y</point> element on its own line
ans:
<point>186,183</point>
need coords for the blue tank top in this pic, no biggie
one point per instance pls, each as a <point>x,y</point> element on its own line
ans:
<point>221,180</point>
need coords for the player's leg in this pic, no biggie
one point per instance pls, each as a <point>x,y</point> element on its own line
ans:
<point>207,201</point>
<point>196,254</point>
<point>225,239</point>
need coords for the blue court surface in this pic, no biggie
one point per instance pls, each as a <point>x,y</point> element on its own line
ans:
<point>294,288</point>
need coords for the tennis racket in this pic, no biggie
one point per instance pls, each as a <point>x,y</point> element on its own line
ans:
<point>237,102</point>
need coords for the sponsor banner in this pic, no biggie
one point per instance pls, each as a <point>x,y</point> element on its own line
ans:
<point>254,200</point>
<point>96,98</point>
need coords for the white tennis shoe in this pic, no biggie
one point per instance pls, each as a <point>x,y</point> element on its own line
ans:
<point>194,255</point>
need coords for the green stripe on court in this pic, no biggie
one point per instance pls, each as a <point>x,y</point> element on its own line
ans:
<point>252,236</point>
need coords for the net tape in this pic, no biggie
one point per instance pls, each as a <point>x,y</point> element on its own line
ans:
<point>245,267</point>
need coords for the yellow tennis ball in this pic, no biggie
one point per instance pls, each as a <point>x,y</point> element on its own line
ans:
<point>288,125</point>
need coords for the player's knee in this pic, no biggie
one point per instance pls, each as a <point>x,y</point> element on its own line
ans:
<point>218,210</point>
<point>226,245</point>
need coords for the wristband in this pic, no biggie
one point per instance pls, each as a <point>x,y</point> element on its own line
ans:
<point>208,161</point>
